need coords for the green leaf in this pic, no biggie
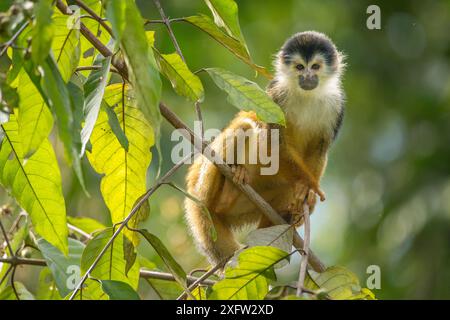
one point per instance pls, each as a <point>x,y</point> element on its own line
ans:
<point>59,101</point>
<point>124,179</point>
<point>34,118</point>
<point>165,290</point>
<point>88,225</point>
<point>144,75</point>
<point>235,46</point>
<point>94,89</point>
<point>43,31</point>
<point>66,44</point>
<point>22,292</point>
<point>150,35</point>
<point>91,290</point>
<point>339,283</point>
<point>247,95</point>
<point>47,286</point>
<point>112,264</point>
<point>184,82</point>
<point>225,14</point>
<point>60,264</point>
<point>280,236</point>
<point>169,261</point>
<point>56,94</point>
<point>115,126</point>
<point>145,263</point>
<point>250,278</point>
<point>118,290</point>
<point>35,184</point>
<point>129,254</point>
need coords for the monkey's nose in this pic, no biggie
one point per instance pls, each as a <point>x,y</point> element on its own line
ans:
<point>308,82</point>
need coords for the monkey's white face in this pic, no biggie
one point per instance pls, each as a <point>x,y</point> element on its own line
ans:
<point>307,75</point>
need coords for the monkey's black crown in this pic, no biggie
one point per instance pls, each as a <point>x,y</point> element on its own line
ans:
<point>307,44</point>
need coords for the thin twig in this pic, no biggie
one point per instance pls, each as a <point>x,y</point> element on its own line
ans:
<point>95,16</point>
<point>13,286</point>
<point>305,253</point>
<point>204,277</point>
<point>15,261</point>
<point>5,235</point>
<point>7,44</point>
<point>145,274</point>
<point>148,21</point>
<point>169,28</point>
<point>16,222</point>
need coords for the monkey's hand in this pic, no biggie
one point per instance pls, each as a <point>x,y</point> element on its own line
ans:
<point>303,194</point>
<point>240,174</point>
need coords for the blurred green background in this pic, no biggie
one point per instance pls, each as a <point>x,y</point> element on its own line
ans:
<point>388,177</point>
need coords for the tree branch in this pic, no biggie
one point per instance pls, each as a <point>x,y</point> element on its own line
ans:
<point>119,64</point>
<point>5,235</point>
<point>145,274</point>
<point>95,16</point>
<point>169,28</point>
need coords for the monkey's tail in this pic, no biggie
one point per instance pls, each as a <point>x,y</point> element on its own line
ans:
<point>211,235</point>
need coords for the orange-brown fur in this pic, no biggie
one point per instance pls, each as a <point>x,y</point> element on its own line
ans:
<point>303,148</point>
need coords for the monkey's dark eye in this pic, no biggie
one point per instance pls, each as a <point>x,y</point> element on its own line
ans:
<point>300,67</point>
<point>315,66</point>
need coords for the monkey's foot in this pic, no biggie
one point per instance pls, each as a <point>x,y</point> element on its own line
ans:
<point>298,197</point>
<point>240,174</point>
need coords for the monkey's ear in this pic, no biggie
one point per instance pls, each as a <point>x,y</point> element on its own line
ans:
<point>280,59</point>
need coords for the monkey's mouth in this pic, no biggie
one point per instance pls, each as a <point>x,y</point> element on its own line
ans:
<point>308,82</point>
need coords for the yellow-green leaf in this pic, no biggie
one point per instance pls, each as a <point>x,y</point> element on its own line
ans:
<point>225,14</point>
<point>85,224</point>
<point>66,44</point>
<point>235,46</point>
<point>112,264</point>
<point>247,95</point>
<point>184,82</point>
<point>124,179</point>
<point>34,118</point>
<point>43,30</point>
<point>250,278</point>
<point>144,76</point>
<point>339,283</point>
<point>35,184</point>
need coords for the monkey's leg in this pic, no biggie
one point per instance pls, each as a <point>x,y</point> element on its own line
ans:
<point>312,182</point>
<point>229,192</point>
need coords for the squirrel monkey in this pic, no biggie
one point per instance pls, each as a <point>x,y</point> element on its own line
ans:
<point>307,86</point>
